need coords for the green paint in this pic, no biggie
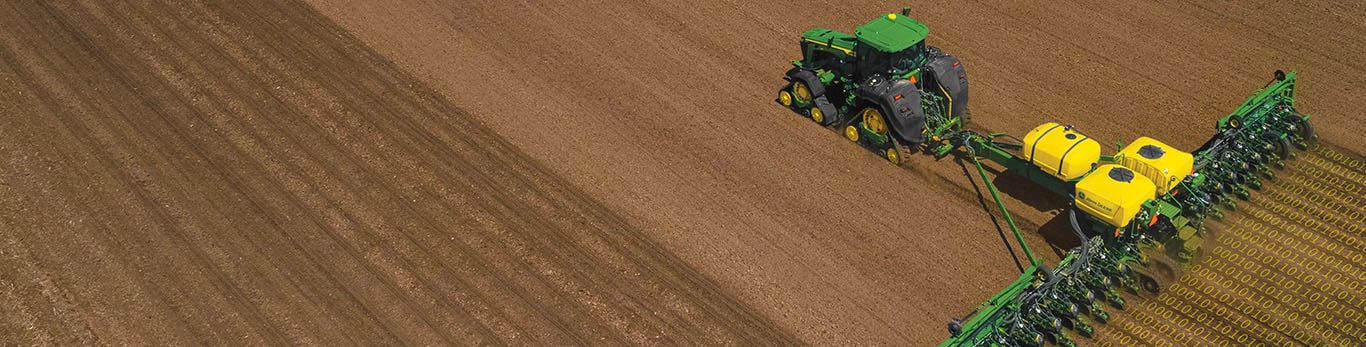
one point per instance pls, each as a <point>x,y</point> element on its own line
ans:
<point>892,33</point>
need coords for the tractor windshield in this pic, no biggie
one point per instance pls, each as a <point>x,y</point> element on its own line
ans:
<point>872,60</point>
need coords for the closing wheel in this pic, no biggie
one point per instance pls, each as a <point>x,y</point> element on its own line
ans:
<point>1279,146</point>
<point>817,116</point>
<point>1306,132</point>
<point>1149,284</point>
<point>785,98</point>
<point>1228,188</point>
<point>893,155</point>
<point>851,133</point>
<point>801,92</point>
<point>1100,316</point>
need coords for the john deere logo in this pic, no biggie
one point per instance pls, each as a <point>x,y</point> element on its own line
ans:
<point>1093,203</point>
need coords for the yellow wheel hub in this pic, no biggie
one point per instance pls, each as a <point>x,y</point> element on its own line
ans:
<point>801,92</point>
<point>785,97</point>
<point>893,155</point>
<point>851,133</point>
<point>872,119</point>
<point>817,115</point>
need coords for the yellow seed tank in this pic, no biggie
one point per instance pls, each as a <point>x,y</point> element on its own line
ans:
<point>1060,150</point>
<point>1114,194</point>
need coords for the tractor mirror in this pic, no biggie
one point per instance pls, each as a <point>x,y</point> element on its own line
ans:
<point>906,11</point>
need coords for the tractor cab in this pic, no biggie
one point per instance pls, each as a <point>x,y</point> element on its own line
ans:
<point>892,44</point>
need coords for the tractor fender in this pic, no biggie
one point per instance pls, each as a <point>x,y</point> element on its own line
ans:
<point>808,76</point>
<point>952,76</point>
<point>900,103</point>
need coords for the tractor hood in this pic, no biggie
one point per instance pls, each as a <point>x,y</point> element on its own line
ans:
<point>892,33</point>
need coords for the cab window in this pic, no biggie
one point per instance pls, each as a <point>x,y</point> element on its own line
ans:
<point>821,58</point>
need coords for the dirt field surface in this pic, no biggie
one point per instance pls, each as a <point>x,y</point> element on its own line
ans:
<point>431,171</point>
<point>249,174</point>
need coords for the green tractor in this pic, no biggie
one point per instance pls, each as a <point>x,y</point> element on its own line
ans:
<point>883,86</point>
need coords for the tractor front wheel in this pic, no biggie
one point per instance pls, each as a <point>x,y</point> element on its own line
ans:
<point>785,98</point>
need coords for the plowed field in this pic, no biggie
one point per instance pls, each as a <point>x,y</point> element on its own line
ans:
<point>247,174</point>
<point>485,172</point>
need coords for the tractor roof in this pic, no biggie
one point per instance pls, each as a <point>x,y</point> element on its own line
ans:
<point>830,38</point>
<point>892,32</point>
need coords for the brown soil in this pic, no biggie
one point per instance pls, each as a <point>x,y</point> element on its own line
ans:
<point>248,174</point>
<point>428,171</point>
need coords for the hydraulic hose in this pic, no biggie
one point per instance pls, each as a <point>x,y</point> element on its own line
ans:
<point>1076,227</point>
<point>1085,255</point>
